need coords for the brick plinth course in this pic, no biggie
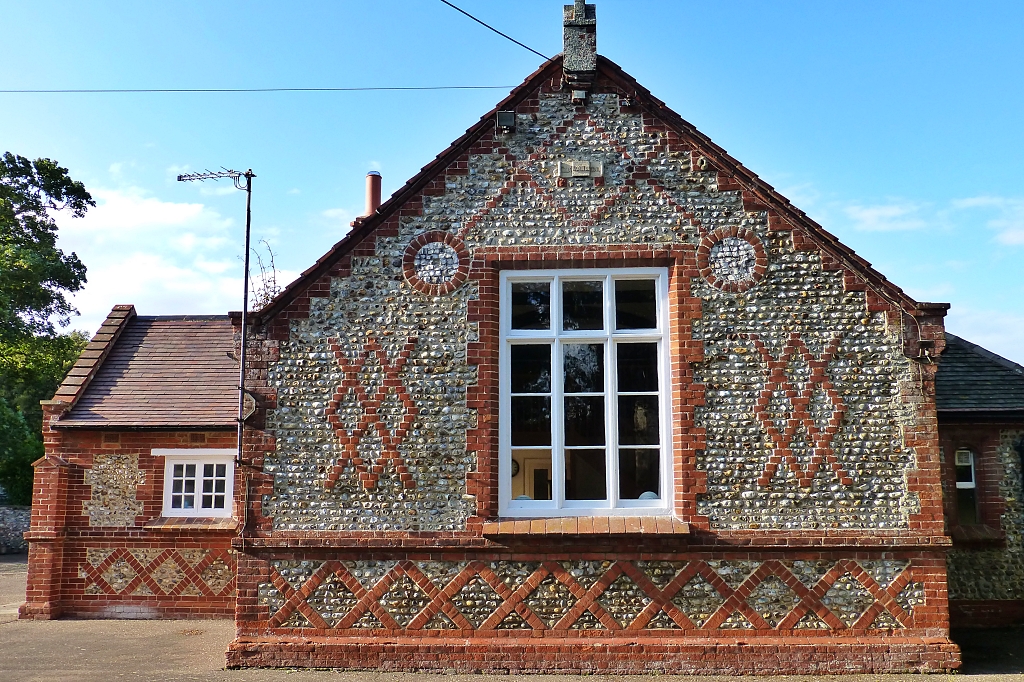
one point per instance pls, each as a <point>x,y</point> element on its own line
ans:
<point>723,655</point>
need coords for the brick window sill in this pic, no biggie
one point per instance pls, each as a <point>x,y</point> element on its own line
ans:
<point>977,535</point>
<point>588,525</point>
<point>183,523</point>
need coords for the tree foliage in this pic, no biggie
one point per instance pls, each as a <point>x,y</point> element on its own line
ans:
<point>35,277</point>
<point>34,273</point>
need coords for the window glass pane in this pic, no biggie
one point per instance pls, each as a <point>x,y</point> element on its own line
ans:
<point>585,475</point>
<point>190,501</point>
<point>207,485</point>
<point>179,470</point>
<point>531,368</point>
<point>222,470</point>
<point>584,420</point>
<point>218,502</point>
<point>638,420</point>
<point>965,474</point>
<point>531,305</point>
<point>532,480</point>
<point>582,305</point>
<point>175,501</point>
<point>207,501</point>
<point>638,474</point>
<point>190,485</point>
<point>531,420</point>
<point>219,486</point>
<point>637,366</point>
<point>208,470</point>
<point>190,470</point>
<point>967,506</point>
<point>635,304</point>
<point>176,485</point>
<point>583,364</point>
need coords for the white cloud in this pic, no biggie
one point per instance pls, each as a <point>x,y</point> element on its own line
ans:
<point>339,214</point>
<point>295,190</point>
<point>998,331</point>
<point>1008,218</point>
<point>887,217</point>
<point>216,190</point>
<point>165,257</point>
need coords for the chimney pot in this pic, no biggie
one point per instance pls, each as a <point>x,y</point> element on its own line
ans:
<point>372,193</point>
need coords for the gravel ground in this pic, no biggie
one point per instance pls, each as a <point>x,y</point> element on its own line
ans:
<point>171,650</point>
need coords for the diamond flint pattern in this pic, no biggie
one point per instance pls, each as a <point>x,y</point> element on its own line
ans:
<point>598,596</point>
<point>156,573</point>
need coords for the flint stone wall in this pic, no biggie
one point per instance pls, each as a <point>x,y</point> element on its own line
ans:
<point>14,522</point>
<point>652,191</point>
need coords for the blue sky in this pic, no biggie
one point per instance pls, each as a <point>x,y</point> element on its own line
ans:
<point>896,125</point>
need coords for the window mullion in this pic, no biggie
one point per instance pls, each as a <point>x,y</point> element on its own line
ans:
<point>611,440</point>
<point>612,422</point>
<point>557,399</point>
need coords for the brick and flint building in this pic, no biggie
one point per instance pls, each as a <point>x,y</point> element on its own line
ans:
<point>585,394</point>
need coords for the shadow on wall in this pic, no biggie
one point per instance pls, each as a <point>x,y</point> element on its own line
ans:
<point>991,652</point>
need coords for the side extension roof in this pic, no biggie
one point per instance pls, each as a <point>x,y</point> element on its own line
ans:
<point>166,372</point>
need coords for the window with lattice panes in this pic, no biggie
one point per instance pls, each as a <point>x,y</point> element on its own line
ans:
<point>197,482</point>
<point>584,409</point>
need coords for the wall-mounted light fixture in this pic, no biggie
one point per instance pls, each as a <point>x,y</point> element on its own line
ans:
<point>505,122</point>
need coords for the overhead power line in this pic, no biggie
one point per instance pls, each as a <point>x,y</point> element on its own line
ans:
<point>108,90</point>
<point>503,35</point>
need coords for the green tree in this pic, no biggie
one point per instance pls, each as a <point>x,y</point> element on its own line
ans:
<point>34,273</point>
<point>35,278</point>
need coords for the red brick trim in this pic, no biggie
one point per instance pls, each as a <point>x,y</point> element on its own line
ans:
<point>704,252</point>
<point>369,472</point>
<point>409,263</point>
<point>588,525</point>
<point>192,525</point>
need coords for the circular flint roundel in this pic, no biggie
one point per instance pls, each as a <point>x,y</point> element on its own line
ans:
<point>436,263</point>
<point>731,259</point>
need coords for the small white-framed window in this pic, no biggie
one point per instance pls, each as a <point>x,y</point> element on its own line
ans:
<point>198,481</point>
<point>966,487</point>
<point>584,410</point>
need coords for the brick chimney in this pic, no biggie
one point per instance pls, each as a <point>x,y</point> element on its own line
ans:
<point>579,51</point>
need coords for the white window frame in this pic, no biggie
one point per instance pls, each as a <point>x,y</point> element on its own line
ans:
<point>973,483</point>
<point>558,505</point>
<point>198,457</point>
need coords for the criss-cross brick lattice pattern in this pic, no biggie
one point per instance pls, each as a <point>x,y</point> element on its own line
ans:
<point>579,215</point>
<point>799,390</point>
<point>158,572</point>
<point>379,391</point>
<point>634,596</point>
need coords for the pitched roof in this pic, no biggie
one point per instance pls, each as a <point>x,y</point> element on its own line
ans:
<point>364,226</point>
<point>160,372</point>
<point>972,379</point>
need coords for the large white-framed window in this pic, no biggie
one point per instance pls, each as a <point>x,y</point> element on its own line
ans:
<point>198,482</point>
<point>585,414</point>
